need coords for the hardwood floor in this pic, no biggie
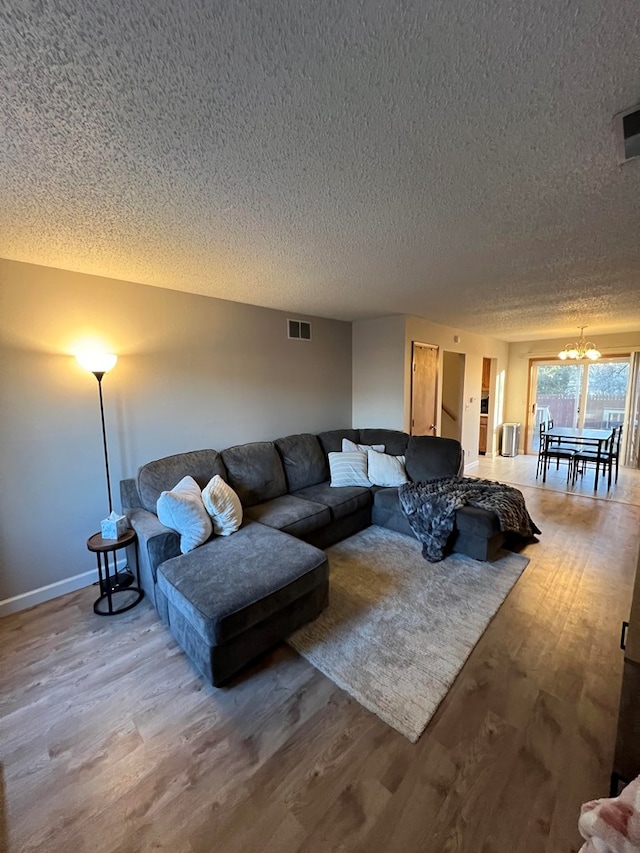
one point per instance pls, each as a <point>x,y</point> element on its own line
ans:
<point>111,742</point>
<point>522,470</point>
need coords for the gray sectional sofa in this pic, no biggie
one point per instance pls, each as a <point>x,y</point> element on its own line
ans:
<point>234,596</point>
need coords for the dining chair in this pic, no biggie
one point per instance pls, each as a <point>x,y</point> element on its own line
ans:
<point>609,454</point>
<point>541,438</point>
<point>542,428</point>
<point>552,449</point>
<point>615,448</point>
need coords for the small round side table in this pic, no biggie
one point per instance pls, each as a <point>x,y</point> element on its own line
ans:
<point>111,582</point>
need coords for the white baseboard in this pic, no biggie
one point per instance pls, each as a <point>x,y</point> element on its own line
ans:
<point>52,590</point>
<point>471,465</point>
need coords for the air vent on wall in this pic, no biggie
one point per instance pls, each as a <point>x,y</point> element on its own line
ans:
<point>299,330</point>
<point>627,128</point>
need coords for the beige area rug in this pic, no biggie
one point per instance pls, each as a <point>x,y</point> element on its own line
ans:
<point>398,629</point>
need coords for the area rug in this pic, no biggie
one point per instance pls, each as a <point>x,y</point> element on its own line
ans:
<point>398,629</point>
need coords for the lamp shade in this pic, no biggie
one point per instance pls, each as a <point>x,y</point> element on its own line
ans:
<point>97,362</point>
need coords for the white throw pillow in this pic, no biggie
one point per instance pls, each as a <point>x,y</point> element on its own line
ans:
<point>223,505</point>
<point>386,470</point>
<point>349,468</point>
<point>349,446</point>
<point>182,510</point>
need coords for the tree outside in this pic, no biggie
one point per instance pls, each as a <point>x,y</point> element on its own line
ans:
<point>608,378</point>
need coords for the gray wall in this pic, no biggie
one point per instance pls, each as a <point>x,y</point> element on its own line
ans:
<point>193,372</point>
<point>382,351</point>
<point>378,373</point>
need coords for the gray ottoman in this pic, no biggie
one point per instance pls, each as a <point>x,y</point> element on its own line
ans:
<point>235,596</point>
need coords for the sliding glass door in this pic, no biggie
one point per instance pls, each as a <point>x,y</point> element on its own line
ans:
<point>579,394</point>
<point>632,458</point>
<point>606,392</point>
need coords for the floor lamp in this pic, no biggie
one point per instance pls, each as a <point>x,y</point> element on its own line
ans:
<point>99,364</point>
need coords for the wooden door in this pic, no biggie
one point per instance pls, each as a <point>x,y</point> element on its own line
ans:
<point>424,389</point>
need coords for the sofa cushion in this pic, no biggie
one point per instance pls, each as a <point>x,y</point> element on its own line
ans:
<point>341,502</point>
<point>304,462</point>
<point>331,441</point>
<point>349,446</point>
<point>255,472</point>
<point>480,522</point>
<point>290,514</point>
<point>429,457</point>
<point>181,509</point>
<point>230,584</point>
<point>161,475</point>
<point>395,442</point>
<point>223,506</point>
<point>387,512</point>
<point>388,499</point>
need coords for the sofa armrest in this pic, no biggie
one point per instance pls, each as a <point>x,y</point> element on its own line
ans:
<point>156,543</point>
<point>129,497</point>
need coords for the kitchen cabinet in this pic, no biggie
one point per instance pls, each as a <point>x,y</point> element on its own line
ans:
<point>486,374</point>
<point>482,439</point>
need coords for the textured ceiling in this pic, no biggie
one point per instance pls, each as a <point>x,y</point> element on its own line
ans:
<point>445,158</point>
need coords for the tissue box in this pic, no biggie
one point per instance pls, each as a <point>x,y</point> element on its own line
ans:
<point>114,526</point>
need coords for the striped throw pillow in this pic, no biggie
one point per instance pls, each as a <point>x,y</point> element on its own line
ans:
<point>348,469</point>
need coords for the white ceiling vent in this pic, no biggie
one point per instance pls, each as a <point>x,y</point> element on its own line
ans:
<point>299,330</point>
<point>627,128</point>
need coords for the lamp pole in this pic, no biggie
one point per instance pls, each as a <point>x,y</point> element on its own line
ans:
<point>99,374</point>
<point>100,363</point>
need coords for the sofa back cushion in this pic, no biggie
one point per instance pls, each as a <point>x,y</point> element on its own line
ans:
<point>429,457</point>
<point>331,441</point>
<point>395,442</point>
<point>255,472</point>
<point>161,475</point>
<point>303,460</point>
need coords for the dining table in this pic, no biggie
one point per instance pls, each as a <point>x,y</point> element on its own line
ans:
<point>581,438</point>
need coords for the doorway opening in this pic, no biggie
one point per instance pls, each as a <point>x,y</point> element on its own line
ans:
<point>485,401</point>
<point>451,406</point>
<point>584,395</point>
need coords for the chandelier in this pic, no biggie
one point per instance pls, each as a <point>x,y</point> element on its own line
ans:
<point>580,349</point>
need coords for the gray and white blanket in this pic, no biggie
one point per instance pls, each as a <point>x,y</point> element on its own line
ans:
<point>430,509</point>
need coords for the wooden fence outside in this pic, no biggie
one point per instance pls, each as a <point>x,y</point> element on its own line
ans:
<point>603,410</point>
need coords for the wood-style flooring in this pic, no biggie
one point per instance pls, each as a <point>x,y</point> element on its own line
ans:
<point>109,741</point>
